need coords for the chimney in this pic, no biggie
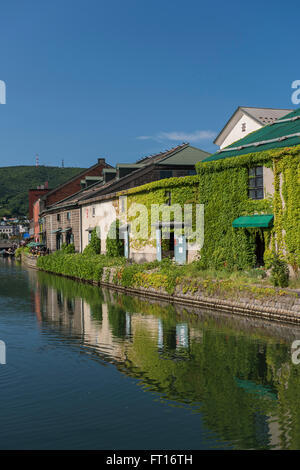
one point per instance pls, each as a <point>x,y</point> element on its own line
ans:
<point>101,161</point>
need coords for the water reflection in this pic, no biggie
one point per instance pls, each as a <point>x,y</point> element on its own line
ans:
<point>235,372</point>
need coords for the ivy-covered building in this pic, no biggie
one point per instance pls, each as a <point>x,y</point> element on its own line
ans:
<point>251,196</point>
<point>255,210</point>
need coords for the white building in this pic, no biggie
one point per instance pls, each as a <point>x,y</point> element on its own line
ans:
<point>246,120</point>
<point>8,230</point>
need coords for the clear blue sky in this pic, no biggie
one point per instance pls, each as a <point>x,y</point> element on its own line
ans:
<point>125,78</point>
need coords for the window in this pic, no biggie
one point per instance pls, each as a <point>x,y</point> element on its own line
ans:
<point>192,172</point>
<point>165,174</point>
<point>68,215</point>
<point>256,183</point>
<point>58,217</point>
<point>93,211</point>
<point>243,127</point>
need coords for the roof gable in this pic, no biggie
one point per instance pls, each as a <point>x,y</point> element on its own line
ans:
<point>285,132</point>
<point>261,116</point>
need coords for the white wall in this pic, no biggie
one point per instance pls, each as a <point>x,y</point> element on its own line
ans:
<point>105,214</point>
<point>236,133</point>
<point>268,176</point>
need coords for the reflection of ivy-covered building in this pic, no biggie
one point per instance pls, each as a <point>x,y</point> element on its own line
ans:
<point>235,375</point>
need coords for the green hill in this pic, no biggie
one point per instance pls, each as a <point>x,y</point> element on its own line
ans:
<point>15,181</point>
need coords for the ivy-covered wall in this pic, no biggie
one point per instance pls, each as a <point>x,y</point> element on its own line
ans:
<point>222,186</point>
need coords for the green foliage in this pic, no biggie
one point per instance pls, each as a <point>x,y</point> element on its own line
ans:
<point>80,266</point>
<point>15,182</point>
<point>94,247</point>
<point>20,250</point>
<point>89,250</point>
<point>280,272</point>
<point>95,242</point>
<point>114,245</point>
<point>68,249</point>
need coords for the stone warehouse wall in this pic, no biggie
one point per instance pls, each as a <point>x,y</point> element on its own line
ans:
<point>53,224</point>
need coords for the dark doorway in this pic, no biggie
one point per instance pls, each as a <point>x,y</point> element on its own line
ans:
<point>259,249</point>
<point>68,237</point>
<point>58,241</point>
<point>168,244</point>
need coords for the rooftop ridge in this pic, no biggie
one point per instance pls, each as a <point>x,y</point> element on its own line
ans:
<point>167,151</point>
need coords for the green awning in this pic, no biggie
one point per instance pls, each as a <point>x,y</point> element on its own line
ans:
<point>56,231</point>
<point>67,229</point>
<point>254,221</point>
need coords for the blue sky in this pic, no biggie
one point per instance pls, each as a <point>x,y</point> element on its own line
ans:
<point>126,78</point>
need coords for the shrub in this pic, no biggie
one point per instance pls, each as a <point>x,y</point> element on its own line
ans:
<point>89,250</point>
<point>280,272</point>
<point>77,265</point>
<point>95,242</point>
<point>114,245</point>
<point>94,247</point>
<point>20,250</point>
<point>68,249</point>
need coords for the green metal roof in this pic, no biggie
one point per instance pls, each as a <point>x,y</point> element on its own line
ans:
<point>260,138</point>
<point>254,221</point>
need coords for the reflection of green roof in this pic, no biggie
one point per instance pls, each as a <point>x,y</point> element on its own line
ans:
<point>284,132</point>
<point>252,387</point>
<point>249,221</point>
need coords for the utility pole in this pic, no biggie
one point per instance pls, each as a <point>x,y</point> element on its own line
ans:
<point>37,160</point>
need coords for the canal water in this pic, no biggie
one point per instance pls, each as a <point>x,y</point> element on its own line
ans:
<point>93,369</point>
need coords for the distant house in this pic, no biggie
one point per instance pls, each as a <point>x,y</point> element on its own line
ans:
<point>61,222</point>
<point>9,230</point>
<point>246,120</point>
<point>40,202</point>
